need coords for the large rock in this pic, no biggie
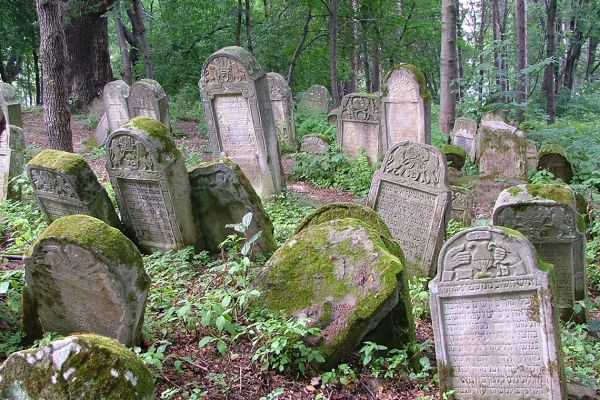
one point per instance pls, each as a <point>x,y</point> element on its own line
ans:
<point>76,367</point>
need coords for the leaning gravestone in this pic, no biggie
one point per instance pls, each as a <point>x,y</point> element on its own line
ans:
<point>12,157</point>
<point>546,215</point>
<point>115,97</point>
<point>239,117</point>
<point>314,143</point>
<point>496,336</point>
<point>222,195</point>
<point>147,98</point>
<point>554,158</point>
<point>76,367</point>
<point>151,185</point>
<point>64,184</point>
<point>316,98</point>
<point>358,125</point>
<point>84,276</point>
<point>464,135</point>
<point>10,105</point>
<point>406,107</point>
<point>462,205</point>
<point>283,109</point>
<point>411,193</point>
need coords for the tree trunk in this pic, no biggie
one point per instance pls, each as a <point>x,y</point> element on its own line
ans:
<point>298,50</point>
<point>480,48</point>
<point>499,57</point>
<point>354,62</point>
<point>36,71</point>
<point>459,67</point>
<point>141,32</point>
<point>238,25</point>
<point>249,27</point>
<point>376,67</point>
<point>548,86</point>
<point>521,58</point>
<point>591,59</point>
<point>56,96</point>
<point>448,67</point>
<point>335,91</point>
<point>126,70</point>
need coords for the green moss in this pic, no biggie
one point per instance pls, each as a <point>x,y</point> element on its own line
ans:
<point>417,73</point>
<point>553,149</point>
<point>580,222</point>
<point>61,161</point>
<point>515,190</point>
<point>559,193</point>
<point>156,130</point>
<point>464,181</point>
<point>512,232</point>
<point>451,149</point>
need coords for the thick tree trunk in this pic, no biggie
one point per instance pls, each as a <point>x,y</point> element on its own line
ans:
<point>141,34</point>
<point>448,67</point>
<point>249,27</point>
<point>52,54</point>
<point>354,61</point>
<point>299,47</point>
<point>335,91</point>
<point>521,58</point>
<point>548,86</point>
<point>376,66</point>
<point>238,25</point>
<point>126,70</point>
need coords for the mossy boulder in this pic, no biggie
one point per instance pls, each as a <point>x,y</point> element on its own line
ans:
<point>342,276</point>
<point>554,158</point>
<point>76,367</point>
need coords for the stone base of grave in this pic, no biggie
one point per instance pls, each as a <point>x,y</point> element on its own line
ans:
<point>577,391</point>
<point>486,191</point>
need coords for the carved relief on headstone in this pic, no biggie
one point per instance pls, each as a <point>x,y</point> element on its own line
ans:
<point>406,107</point>
<point>540,213</point>
<point>462,205</point>
<point>283,109</point>
<point>532,155</point>
<point>502,151</point>
<point>495,331</point>
<point>84,276</point>
<point>115,97</point>
<point>554,158</point>
<point>63,184</point>
<point>358,125</point>
<point>239,117</point>
<point>10,105</point>
<point>411,193</point>
<point>316,144</point>
<point>151,185</point>
<point>147,98</point>
<point>11,159</point>
<point>316,98</point>
<point>464,135</point>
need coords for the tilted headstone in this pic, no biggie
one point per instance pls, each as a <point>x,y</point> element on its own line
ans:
<point>85,276</point>
<point>532,155</point>
<point>316,98</point>
<point>239,117</point>
<point>358,125</point>
<point>151,185</point>
<point>496,336</point>
<point>464,135</point>
<point>462,205</point>
<point>115,97</point>
<point>406,107</point>
<point>222,195</point>
<point>10,105</point>
<point>64,184</point>
<point>76,367</point>
<point>316,144</point>
<point>546,215</point>
<point>554,158</point>
<point>147,98</point>
<point>502,151</point>
<point>455,156</point>
<point>282,104</point>
<point>102,130</point>
<point>411,193</point>
<point>333,116</point>
<point>12,157</point>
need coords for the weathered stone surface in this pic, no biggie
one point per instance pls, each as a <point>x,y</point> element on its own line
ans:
<point>554,158</point>
<point>358,125</point>
<point>455,156</point>
<point>411,193</point>
<point>333,116</point>
<point>115,97</point>
<point>76,367</point>
<point>316,144</point>
<point>10,105</point>
<point>151,185</point>
<point>148,98</point>
<point>494,116</point>
<point>406,107</point>
<point>102,130</point>
<point>344,278</point>
<point>64,184</point>
<point>84,276</point>
<point>221,195</point>
<point>491,308</point>
<point>487,191</point>
<point>12,155</point>
<point>316,98</point>
<point>577,391</point>
<point>464,136</point>
<point>531,152</point>
<point>239,117</point>
<point>282,104</point>
<point>546,215</point>
<point>502,151</point>
<point>462,205</point>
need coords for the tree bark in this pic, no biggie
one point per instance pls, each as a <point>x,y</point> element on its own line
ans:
<point>448,67</point>
<point>126,70</point>
<point>335,92</point>
<point>548,86</point>
<point>52,55</point>
<point>376,66</point>
<point>521,58</point>
<point>499,56</point>
<point>480,47</point>
<point>238,25</point>
<point>249,27</point>
<point>591,59</point>
<point>299,47</point>
<point>141,31</point>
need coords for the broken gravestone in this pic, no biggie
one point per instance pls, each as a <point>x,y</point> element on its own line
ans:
<point>115,97</point>
<point>222,195</point>
<point>10,105</point>
<point>464,136</point>
<point>546,215</point>
<point>462,205</point>
<point>455,156</point>
<point>64,184</point>
<point>314,143</point>
<point>84,276</point>
<point>316,98</point>
<point>406,107</point>
<point>554,158</point>
<point>76,367</point>
<point>411,193</point>
<point>12,157</point>
<point>283,109</point>
<point>496,336</point>
<point>148,98</point>
<point>358,125</point>
<point>239,117</point>
<point>151,185</point>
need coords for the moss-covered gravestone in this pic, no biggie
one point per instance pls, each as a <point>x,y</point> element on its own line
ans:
<point>464,135</point>
<point>64,184</point>
<point>455,156</point>
<point>314,143</point>
<point>151,185</point>
<point>10,105</point>
<point>115,97</point>
<point>411,193</point>
<point>546,215</point>
<point>316,98</point>
<point>496,336</point>
<point>358,125</point>
<point>554,158</point>
<point>461,208</point>
<point>342,276</point>
<point>239,117</point>
<point>11,159</point>
<point>148,98</point>
<point>222,195</point>
<point>84,276</point>
<point>76,367</point>
<point>283,109</point>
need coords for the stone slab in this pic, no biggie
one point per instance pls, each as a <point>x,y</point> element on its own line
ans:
<point>358,125</point>
<point>283,109</point>
<point>148,98</point>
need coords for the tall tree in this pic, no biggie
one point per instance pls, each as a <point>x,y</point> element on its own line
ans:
<point>249,27</point>
<point>521,58</point>
<point>549,70</point>
<point>333,73</point>
<point>448,68</point>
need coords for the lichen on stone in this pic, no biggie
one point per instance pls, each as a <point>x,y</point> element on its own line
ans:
<point>62,161</point>
<point>451,149</point>
<point>553,149</point>
<point>155,130</point>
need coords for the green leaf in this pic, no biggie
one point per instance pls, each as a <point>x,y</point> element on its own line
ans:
<point>206,340</point>
<point>222,347</point>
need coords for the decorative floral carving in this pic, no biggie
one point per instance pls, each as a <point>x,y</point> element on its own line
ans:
<point>414,162</point>
<point>126,152</point>
<point>224,70</point>
<point>360,108</point>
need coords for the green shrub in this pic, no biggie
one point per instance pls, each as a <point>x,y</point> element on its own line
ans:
<point>310,121</point>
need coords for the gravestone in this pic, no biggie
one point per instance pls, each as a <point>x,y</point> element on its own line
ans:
<point>406,107</point>
<point>546,215</point>
<point>554,158</point>
<point>147,98</point>
<point>316,98</point>
<point>464,135</point>
<point>411,193</point>
<point>85,276</point>
<point>11,107</point>
<point>283,109</point>
<point>358,125</point>
<point>12,157</point>
<point>151,185</point>
<point>455,156</point>
<point>222,195</point>
<point>102,130</point>
<point>316,144</point>
<point>64,184</point>
<point>494,116</point>
<point>76,367</point>
<point>115,97</point>
<point>532,155</point>
<point>333,116</point>
<point>239,117</point>
<point>462,205</point>
<point>491,307</point>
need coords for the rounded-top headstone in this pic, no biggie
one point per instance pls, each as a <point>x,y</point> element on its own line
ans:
<point>495,116</point>
<point>278,87</point>
<point>464,135</point>
<point>10,105</point>
<point>148,98</point>
<point>115,97</point>
<point>314,143</point>
<point>358,125</point>
<point>283,110</point>
<point>316,98</point>
<point>554,158</point>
